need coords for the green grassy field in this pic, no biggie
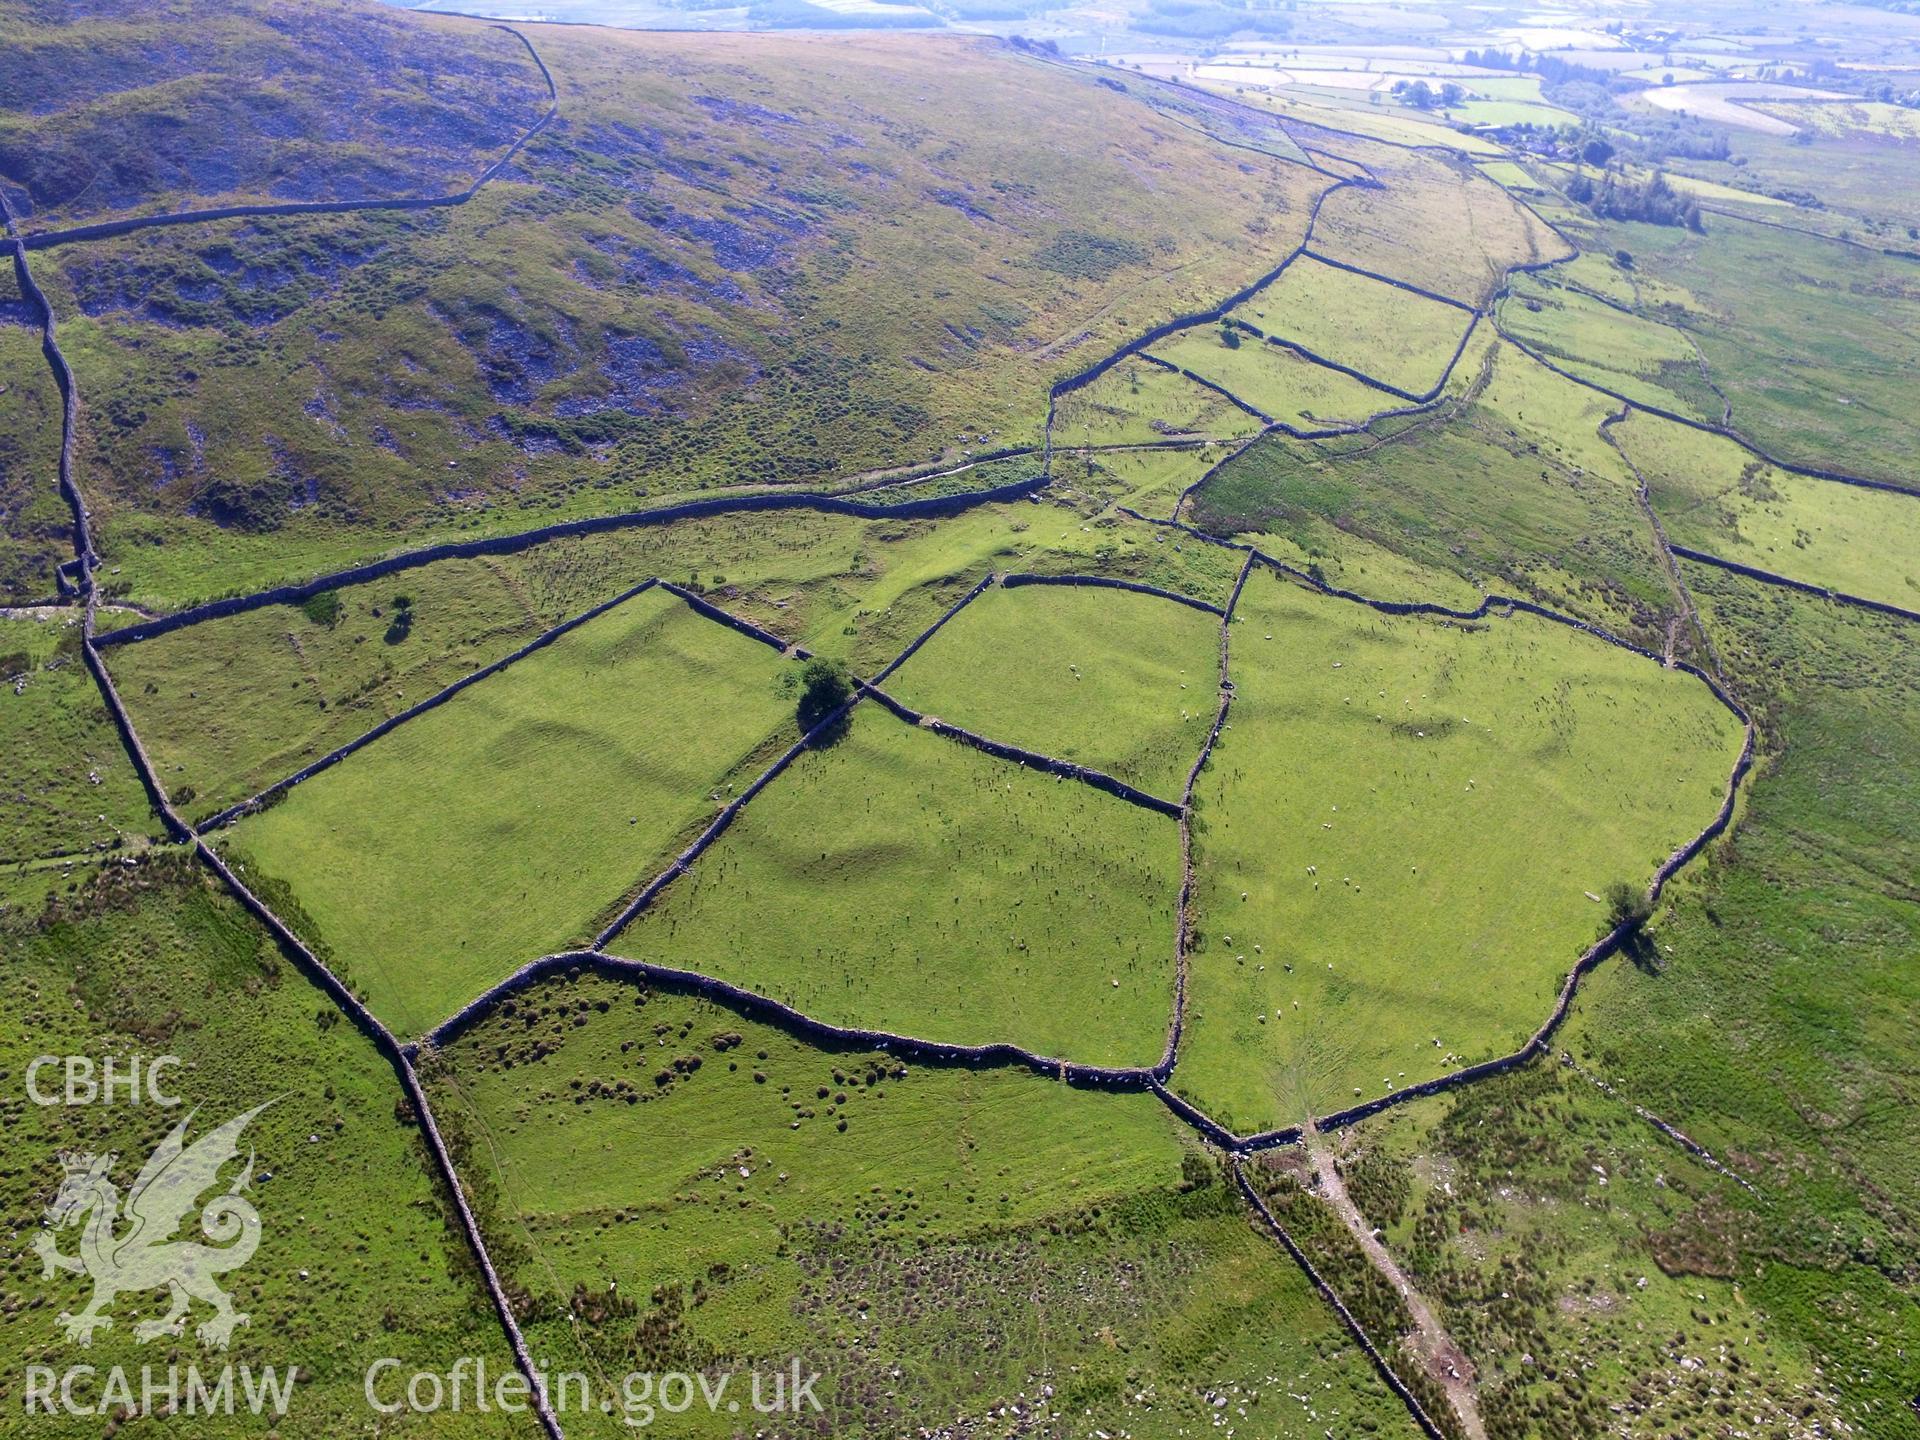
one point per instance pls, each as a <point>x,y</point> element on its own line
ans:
<point>1641,359</point>
<point>864,590</point>
<point>1786,958</point>
<point>69,785</point>
<point>1275,381</point>
<point>1351,562</point>
<point>1403,339</point>
<point>1509,175</point>
<point>1397,840</point>
<point>1815,361</point>
<point>1136,402</point>
<point>1714,496</point>
<point>358,1258</point>
<point>905,882</point>
<point>1121,682</point>
<point>231,705</point>
<point>1150,481</point>
<point>601,753</point>
<point>968,1239</point>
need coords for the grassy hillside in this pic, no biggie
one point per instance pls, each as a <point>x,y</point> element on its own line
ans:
<point>35,523</point>
<point>183,104</point>
<point>358,1258</point>
<point>737,260</point>
<point>69,785</point>
<point>1412,229</point>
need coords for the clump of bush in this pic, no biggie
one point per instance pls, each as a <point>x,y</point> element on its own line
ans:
<point>1652,200</point>
<point>323,609</point>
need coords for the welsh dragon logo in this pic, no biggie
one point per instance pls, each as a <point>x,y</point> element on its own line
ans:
<point>147,1256</point>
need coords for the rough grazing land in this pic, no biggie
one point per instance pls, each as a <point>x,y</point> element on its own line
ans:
<point>138,109</point>
<point>711,270</point>
<point>685,1182</point>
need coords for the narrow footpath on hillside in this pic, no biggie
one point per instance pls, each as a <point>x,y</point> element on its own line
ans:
<point>1430,1343</point>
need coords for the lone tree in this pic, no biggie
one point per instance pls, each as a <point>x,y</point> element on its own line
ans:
<point>825,686</point>
<point>1627,905</point>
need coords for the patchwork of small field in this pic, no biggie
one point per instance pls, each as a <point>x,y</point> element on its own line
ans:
<point>1273,379</point>
<point>600,754</point>
<point>1611,347</point>
<point>231,705</point>
<point>1517,494</point>
<point>1397,840</point>
<point>744,263</point>
<point>1138,402</point>
<point>1716,497</point>
<point>904,882</point>
<point>1113,680</point>
<point>682,1183</point>
<point>68,784</point>
<point>1382,331</point>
